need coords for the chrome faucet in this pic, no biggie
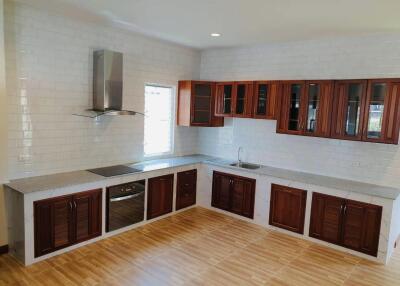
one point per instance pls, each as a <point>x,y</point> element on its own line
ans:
<point>239,150</point>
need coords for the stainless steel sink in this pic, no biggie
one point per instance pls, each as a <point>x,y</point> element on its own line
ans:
<point>245,165</point>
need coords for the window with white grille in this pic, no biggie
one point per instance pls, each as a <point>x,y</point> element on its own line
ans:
<point>158,122</point>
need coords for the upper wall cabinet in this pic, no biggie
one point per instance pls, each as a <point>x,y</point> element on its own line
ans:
<point>265,98</point>
<point>367,110</point>
<point>291,108</point>
<point>224,98</point>
<point>348,109</point>
<point>381,119</point>
<point>196,100</point>
<point>234,99</point>
<point>305,108</point>
<point>318,103</point>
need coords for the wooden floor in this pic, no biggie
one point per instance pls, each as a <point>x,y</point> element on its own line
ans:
<point>200,247</point>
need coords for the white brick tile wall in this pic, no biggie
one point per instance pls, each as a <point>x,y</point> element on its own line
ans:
<point>363,57</point>
<point>49,77</point>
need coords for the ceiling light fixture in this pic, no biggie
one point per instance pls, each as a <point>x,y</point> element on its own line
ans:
<point>215,34</point>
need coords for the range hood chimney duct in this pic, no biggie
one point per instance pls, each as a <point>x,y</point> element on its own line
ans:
<point>108,84</point>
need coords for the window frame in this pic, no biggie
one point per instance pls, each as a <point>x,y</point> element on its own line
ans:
<point>172,123</point>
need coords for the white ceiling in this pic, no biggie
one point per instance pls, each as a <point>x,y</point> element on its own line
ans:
<point>241,22</point>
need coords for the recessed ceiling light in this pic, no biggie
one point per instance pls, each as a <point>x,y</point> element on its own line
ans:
<point>215,34</point>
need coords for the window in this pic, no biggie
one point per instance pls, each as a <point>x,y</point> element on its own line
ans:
<point>158,122</point>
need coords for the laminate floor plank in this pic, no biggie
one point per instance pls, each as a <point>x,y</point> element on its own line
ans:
<point>202,247</point>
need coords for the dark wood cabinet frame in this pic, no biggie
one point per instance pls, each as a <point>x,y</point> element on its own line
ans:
<point>298,196</point>
<point>369,221</point>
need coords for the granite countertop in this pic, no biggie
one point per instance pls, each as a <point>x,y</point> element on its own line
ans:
<point>68,179</point>
<point>51,182</point>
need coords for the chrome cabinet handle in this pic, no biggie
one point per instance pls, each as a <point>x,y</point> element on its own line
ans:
<point>74,204</point>
<point>70,206</point>
<point>125,197</point>
<point>344,210</point>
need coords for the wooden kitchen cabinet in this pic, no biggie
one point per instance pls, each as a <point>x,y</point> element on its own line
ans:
<point>160,196</point>
<point>291,108</point>
<point>224,98</point>
<point>196,100</point>
<point>287,208</point>
<point>348,109</point>
<point>186,189</point>
<point>67,220</point>
<point>318,108</point>
<point>233,193</point>
<point>265,99</point>
<point>305,108</point>
<point>234,99</point>
<point>87,215</point>
<point>382,115</point>
<point>243,99</point>
<point>347,223</point>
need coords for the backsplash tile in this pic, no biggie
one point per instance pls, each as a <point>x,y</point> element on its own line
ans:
<point>49,77</point>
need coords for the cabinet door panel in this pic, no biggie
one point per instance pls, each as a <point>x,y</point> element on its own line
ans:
<point>43,228</point>
<point>82,217</point>
<point>348,109</point>
<point>361,227</point>
<point>292,108</point>
<point>186,189</point>
<point>371,230</point>
<point>87,214</point>
<point>381,112</point>
<point>224,99</point>
<point>287,208</point>
<point>265,99</point>
<point>243,197</point>
<point>160,193</point>
<point>353,215</point>
<point>243,99</point>
<point>319,100</point>
<point>221,191</point>
<point>326,218</point>
<point>62,223</point>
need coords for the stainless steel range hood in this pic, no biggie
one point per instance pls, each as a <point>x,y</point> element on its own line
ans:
<point>108,85</point>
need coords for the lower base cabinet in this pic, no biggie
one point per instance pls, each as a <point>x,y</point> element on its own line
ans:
<point>160,196</point>
<point>186,189</point>
<point>67,220</point>
<point>233,193</point>
<point>347,223</point>
<point>287,208</point>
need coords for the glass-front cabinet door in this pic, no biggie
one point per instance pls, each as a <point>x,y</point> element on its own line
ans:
<point>266,94</point>
<point>381,111</point>
<point>319,100</point>
<point>348,109</point>
<point>202,93</point>
<point>290,118</point>
<point>224,99</point>
<point>242,99</point>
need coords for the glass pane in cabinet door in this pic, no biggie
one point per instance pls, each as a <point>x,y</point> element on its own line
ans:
<point>262,99</point>
<point>241,94</point>
<point>376,106</point>
<point>313,103</point>
<point>227,98</point>
<point>202,90</point>
<point>295,94</point>
<point>353,109</point>
<point>202,102</point>
<point>201,117</point>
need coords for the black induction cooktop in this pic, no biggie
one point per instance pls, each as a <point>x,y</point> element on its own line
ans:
<point>112,171</point>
